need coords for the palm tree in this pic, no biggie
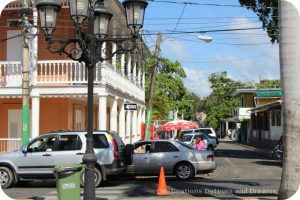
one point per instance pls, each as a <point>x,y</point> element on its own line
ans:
<point>289,19</point>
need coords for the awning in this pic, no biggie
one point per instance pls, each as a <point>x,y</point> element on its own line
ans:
<point>266,107</point>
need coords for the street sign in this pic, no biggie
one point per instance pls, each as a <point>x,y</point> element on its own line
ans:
<point>130,106</point>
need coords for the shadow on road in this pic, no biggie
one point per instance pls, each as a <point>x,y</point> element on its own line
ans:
<point>269,163</point>
<point>197,187</point>
<point>243,154</point>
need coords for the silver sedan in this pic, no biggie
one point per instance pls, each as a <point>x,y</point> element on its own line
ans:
<point>176,157</point>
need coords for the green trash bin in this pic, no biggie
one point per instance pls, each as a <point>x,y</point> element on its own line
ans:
<point>68,181</point>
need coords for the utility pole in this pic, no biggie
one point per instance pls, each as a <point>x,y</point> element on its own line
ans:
<point>25,79</point>
<point>289,73</point>
<point>152,87</point>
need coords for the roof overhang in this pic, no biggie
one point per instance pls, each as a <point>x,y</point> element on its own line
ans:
<point>266,107</point>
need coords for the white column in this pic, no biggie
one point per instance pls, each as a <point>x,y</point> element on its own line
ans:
<point>143,115</point>
<point>114,115</point>
<point>102,73</point>
<point>129,66</point>
<point>134,126</point>
<point>114,58</point>
<point>102,112</point>
<point>123,64</point>
<point>34,51</point>
<point>139,74</point>
<point>139,121</point>
<point>143,79</point>
<point>122,131</point>
<point>128,126</point>
<point>35,121</point>
<point>134,69</point>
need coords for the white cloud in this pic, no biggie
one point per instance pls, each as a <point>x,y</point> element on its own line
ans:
<point>175,49</point>
<point>197,81</point>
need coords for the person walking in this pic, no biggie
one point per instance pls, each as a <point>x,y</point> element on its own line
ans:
<point>200,143</point>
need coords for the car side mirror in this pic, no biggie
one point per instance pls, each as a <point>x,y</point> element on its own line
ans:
<point>24,149</point>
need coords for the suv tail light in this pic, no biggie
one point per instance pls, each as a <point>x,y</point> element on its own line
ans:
<point>116,150</point>
<point>210,157</point>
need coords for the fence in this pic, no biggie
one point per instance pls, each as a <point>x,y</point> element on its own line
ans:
<point>9,144</point>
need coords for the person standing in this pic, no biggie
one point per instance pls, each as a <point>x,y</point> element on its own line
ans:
<point>200,145</point>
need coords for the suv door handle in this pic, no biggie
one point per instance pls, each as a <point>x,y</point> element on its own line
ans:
<point>176,156</point>
<point>146,158</point>
<point>79,153</point>
<point>46,154</point>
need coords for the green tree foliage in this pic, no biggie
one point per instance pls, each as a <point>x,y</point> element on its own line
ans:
<point>169,88</point>
<point>268,84</point>
<point>190,105</point>
<point>220,103</point>
<point>267,11</point>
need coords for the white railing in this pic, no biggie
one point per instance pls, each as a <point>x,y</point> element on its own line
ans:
<point>116,80</point>
<point>66,73</point>
<point>241,113</point>
<point>10,73</point>
<point>9,144</point>
<point>61,72</point>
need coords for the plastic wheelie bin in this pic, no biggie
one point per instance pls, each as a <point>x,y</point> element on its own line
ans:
<point>68,181</point>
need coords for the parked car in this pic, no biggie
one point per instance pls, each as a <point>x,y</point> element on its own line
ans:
<point>207,131</point>
<point>176,157</point>
<point>37,159</point>
<point>209,141</point>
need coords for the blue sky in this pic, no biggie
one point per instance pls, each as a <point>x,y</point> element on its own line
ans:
<point>246,55</point>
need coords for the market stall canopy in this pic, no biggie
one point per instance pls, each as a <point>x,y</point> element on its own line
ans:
<point>177,125</point>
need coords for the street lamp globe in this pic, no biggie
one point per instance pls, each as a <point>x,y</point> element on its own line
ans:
<point>79,10</point>
<point>102,18</point>
<point>48,10</point>
<point>135,12</point>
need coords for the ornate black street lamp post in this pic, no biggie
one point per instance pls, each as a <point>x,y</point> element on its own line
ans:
<point>87,47</point>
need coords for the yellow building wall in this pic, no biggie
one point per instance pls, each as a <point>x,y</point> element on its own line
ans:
<point>249,100</point>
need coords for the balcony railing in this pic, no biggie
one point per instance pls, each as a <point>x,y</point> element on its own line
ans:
<point>9,144</point>
<point>241,114</point>
<point>67,73</point>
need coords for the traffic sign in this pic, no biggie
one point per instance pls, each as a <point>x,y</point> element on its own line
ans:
<point>130,106</point>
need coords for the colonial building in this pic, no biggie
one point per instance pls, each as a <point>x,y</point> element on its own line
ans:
<point>259,116</point>
<point>58,85</point>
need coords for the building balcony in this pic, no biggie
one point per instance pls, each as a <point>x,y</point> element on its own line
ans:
<point>240,114</point>
<point>72,74</point>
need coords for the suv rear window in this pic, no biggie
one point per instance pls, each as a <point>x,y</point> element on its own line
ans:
<point>117,139</point>
<point>100,141</point>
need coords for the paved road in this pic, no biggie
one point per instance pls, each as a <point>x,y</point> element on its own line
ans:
<point>241,174</point>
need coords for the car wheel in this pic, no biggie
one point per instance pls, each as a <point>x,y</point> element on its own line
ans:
<point>184,171</point>
<point>98,177</point>
<point>210,148</point>
<point>6,177</point>
<point>128,151</point>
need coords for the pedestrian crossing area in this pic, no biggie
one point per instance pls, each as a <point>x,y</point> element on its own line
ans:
<point>105,193</point>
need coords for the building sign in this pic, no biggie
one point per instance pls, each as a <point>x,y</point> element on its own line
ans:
<point>130,106</point>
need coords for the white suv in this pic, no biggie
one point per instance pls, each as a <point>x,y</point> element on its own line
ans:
<point>37,159</point>
<point>207,131</point>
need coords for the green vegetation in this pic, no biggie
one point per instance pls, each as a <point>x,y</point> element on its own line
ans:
<point>171,94</point>
<point>267,12</point>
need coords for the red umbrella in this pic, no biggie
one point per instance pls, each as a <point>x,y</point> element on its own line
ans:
<point>177,125</point>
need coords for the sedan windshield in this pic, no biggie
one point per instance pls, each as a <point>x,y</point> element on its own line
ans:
<point>185,145</point>
<point>187,138</point>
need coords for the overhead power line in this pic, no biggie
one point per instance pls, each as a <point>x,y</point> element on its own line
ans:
<point>206,4</point>
<point>205,31</point>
